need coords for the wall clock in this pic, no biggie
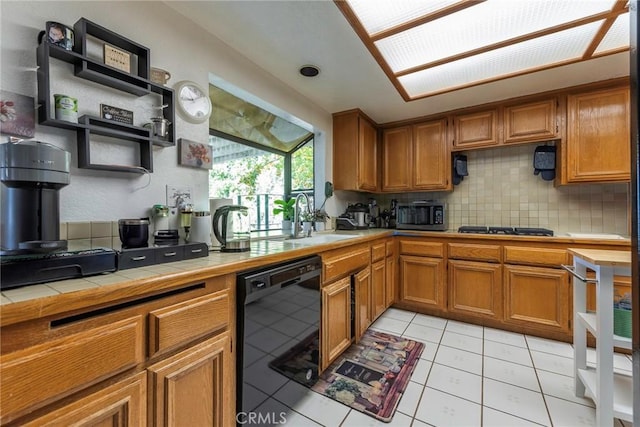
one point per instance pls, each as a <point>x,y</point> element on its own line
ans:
<point>194,104</point>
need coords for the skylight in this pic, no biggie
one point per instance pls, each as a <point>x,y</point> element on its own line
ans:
<point>428,47</point>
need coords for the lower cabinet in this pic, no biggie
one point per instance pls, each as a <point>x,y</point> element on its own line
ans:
<point>164,360</point>
<point>378,288</point>
<point>335,329</point>
<point>390,292</point>
<point>537,297</point>
<point>194,387</point>
<point>121,404</point>
<point>422,280</point>
<point>362,290</point>
<point>475,288</point>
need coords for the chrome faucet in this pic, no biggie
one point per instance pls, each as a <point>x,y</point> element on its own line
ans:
<point>297,228</point>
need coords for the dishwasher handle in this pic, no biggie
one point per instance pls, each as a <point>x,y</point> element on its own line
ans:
<point>571,269</point>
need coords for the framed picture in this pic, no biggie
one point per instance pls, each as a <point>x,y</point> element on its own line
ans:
<point>195,154</point>
<point>17,115</point>
<point>60,35</point>
<point>117,58</point>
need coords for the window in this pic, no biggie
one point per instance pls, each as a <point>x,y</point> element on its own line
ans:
<point>255,177</point>
<point>260,154</point>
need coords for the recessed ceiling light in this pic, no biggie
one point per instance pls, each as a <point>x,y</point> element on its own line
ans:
<point>309,70</point>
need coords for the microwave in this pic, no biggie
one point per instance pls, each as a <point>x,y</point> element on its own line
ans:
<point>422,215</point>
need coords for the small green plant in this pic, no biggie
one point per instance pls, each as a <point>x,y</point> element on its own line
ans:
<point>307,216</point>
<point>285,208</point>
<point>320,215</point>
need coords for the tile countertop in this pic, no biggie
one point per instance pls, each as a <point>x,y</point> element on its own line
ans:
<point>36,301</point>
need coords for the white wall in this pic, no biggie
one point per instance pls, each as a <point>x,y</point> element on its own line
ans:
<point>177,45</point>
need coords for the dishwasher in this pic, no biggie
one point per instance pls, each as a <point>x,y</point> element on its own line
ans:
<point>278,321</point>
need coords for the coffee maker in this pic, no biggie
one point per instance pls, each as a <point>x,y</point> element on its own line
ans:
<point>32,174</point>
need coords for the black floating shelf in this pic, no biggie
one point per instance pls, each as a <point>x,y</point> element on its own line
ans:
<point>98,126</point>
<point>84,27</point>
<point>135,82</point>
<point>112,77</point>
<point>112,128</point>
<point>63,124</point>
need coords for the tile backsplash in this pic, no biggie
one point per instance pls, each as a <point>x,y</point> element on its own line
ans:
<point>91,234</point>
<point>501,190</point>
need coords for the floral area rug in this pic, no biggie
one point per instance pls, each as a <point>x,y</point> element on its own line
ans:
<point>369,376</point>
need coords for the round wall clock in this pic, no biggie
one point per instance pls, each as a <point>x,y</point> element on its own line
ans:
<point>194,104</point>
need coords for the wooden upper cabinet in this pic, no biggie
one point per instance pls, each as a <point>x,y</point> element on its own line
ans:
<point>416,158</point>
<point>397,154</point>
<point>354,140</point>
<point>431,162</point>
<point>475,130</point>
<point>530,122</point>
<point>598,135</point>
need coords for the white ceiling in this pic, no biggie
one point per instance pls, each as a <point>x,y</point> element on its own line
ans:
<point>281,36</point>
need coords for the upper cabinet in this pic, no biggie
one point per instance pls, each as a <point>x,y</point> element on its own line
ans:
<point>416,158</point>
<point>354,140</point>
<point>431,156</point>
<point>598,134</point>
<point>474,130</point>
<point>535,121</point>
<point>397,159</point>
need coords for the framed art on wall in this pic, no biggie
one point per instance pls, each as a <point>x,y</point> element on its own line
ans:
<point>17,115</point>
<point>195,154</point>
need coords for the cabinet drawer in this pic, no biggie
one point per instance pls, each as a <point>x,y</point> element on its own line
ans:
<point>169,254</point>
<point>389,247</point>
<point>343,263</point>
<point>535,256</point>
<point>421,248</point>
<point>180,323</point>
<point>136,258</point>
<point>489,253</point>
<point>377,252</point>
<point>37,375</point>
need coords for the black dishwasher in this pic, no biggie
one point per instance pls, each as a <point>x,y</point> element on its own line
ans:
<point>278,321</point>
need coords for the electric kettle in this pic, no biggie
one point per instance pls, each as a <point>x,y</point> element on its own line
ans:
<point>232,229</point>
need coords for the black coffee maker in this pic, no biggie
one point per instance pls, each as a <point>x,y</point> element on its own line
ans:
<point>32,174</point>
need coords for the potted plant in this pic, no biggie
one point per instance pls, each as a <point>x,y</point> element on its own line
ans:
<point>285,207</point>
<point>320,217</point>
<point>307,218</point>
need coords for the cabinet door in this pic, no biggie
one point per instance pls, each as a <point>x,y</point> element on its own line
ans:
<point>537,297</point>
<point>120,404</point>
<point>390,283</point>
<point>194,387</point>
<point>354,144</point>
<point>476,130</point>
<point>598,132</point>
<point>422,281</point>
<point>475,288</point>
<point>335,328</point>
<point>530,122</point>
<point>367,156</point>
<point>431,162</point>
<point>396,159</point>
<point>378,279</point>
<point>362,285</point>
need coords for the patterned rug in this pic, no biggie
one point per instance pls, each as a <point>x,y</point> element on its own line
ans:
<point>369,376</point>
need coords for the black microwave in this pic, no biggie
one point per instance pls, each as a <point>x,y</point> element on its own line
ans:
<point>428,215</point>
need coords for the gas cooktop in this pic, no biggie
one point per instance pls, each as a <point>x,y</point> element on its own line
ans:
<point>518,231</point>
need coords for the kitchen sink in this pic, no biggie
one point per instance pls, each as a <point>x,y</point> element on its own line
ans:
<point>319,239</point>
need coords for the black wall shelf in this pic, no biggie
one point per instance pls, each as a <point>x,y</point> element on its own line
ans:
<point>136,83</point>
<point>98,126</point>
